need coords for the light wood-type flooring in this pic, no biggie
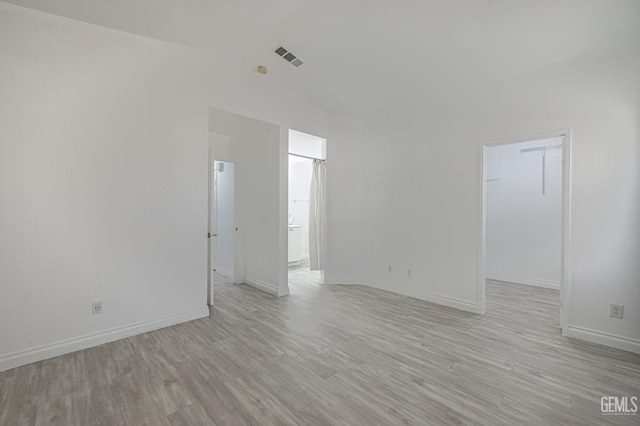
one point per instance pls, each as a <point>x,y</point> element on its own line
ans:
<point>301,277</point>
<point>323,355</point>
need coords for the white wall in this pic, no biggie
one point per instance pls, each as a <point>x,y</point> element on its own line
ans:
<point>308,145</point>
<point>422,188</point>
<point>103,188</point>
<point>344,201</point>
<point>222,146</point>
<point>524,226</point>
<point>300,171</point>
<point>258,186</point>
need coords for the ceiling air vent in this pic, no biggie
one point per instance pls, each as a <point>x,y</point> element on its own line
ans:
<point>288,56</point>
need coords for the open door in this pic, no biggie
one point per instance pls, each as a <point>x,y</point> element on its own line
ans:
<point>224,223</point>
<point>211,231</point>
<point>222,227</point>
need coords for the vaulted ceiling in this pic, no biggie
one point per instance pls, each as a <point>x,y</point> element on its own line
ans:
<point>368,57</point>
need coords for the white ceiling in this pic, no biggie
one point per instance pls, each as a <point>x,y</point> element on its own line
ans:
<point>368,57</point>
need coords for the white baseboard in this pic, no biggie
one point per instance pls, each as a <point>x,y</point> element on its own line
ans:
<point>262,285</point>
<point>66,346</point>
<point>527,281</point>
<point>440,300</point>
<point>593,336</point>
<point>342,281</point>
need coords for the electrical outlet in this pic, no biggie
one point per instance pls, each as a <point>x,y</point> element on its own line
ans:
<point>96,308</point>
<point>615,311</point>
<point>408,273</point>
<point>389,268</point>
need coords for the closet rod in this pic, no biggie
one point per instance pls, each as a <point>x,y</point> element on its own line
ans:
<point>304,156</point>
<point>541,148</point>
<point>544,162</point>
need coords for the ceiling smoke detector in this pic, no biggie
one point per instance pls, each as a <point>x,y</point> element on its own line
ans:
<point>288,56</point>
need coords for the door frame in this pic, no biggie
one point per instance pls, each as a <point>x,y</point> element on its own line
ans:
<point>565,262</point>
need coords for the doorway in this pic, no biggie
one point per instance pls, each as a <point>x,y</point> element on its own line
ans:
<point>222,224</point>
<point>525,220</point>
<point>245,154</point>
<point>306,209</point>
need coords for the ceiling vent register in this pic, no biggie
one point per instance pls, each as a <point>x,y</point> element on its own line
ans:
<point>288,56</point>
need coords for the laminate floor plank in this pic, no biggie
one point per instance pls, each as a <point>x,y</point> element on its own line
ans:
<point>193,415</point>
<point>334,355</point>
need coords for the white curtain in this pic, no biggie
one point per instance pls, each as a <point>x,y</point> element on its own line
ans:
<point>316,216</point>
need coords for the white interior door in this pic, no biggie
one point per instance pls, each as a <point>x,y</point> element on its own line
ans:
<point>222,224</point>
<point>224,259</point>
<point>211,231</point>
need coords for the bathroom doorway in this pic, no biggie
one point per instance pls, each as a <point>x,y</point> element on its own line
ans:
<point>306,209</point>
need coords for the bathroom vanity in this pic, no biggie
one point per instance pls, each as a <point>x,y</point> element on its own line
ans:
<point>295,245</point>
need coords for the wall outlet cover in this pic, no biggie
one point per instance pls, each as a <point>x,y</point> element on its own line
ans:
<point>615,311</point>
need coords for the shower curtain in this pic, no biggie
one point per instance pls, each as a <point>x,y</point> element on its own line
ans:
<point>316,216</point>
